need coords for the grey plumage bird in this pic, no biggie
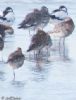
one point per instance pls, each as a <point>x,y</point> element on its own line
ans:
<point>31,20</point>
<point>16,59</point>
<point>45,16</point>
<point>36,19</point>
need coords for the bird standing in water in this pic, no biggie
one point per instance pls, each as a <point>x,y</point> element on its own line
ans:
<point>63,30</point>
<point>31,20</point>
<point>16,60</point>
<point>36,19</point>
<point>40,40</point>
<point>45,16</point>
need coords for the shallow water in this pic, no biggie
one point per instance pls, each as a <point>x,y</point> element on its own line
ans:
<point>53,78</point>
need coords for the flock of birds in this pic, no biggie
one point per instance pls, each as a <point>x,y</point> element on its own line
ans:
<point>36,21</point>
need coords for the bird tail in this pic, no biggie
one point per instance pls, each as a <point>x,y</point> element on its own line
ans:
<point>22,25</point>
<point>19,27</point>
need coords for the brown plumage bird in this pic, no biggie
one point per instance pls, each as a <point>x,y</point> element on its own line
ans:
<point>40,40</point>
<point>63,29</point>
<point>5,29</point>
<point>16,59</point>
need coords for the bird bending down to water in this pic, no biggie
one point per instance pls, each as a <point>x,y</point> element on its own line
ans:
<point>16,59</point>
<point>8,17</point>
<point>63,29</point>
<point>40,40</point>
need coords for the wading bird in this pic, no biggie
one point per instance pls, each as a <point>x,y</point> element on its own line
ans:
<point>16,59</point>
<point>63,30</point>
<point>40,40</point>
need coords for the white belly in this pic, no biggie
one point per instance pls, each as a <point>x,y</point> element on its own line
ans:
<point>58,34</point>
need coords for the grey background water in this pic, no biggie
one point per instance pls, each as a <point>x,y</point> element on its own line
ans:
<point>55,80</point>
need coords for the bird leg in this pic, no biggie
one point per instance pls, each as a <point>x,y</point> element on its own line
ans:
<point>1,57</point>
<point>63,47</point>
<point>13,75</point>
<point>29,31</point>
<point>48,51</point>
<point>37,55</point>
<point>60,46</point>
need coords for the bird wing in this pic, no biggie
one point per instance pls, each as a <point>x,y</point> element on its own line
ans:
<point>28,21</point>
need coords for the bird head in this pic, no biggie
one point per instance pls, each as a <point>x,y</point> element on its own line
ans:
<point>44,9</point>
<point>19,50</point>
<point>63,8</point>
<point>7,10</point>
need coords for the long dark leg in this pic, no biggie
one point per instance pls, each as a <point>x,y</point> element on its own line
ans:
<point>48,50</point>
<point>60,46</point>
<point>1,53</point>
<point>38,54</point>
<point>63,47</point>
<point>35,54</point>
<point>48,53</point>
<point>38,65</point>
<point>29,32</point>
<point>13,75</point>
